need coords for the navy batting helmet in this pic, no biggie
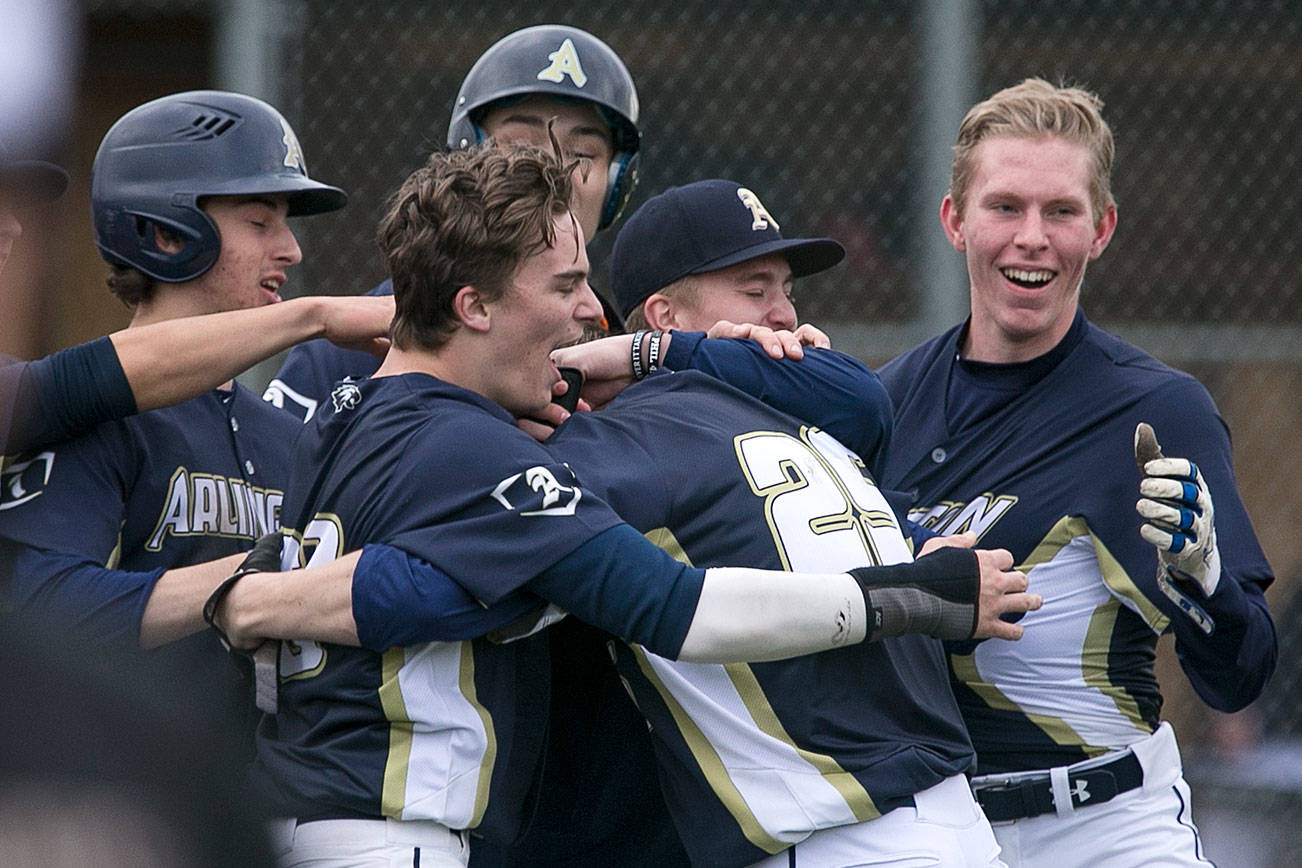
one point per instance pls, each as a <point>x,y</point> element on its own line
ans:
<point>161,158</point>
<point>560,61</point>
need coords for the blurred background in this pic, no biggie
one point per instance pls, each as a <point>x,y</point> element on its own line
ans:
<point>840,114</point>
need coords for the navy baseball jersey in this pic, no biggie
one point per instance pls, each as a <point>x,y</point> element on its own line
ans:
<point>756,757</point>
<point>425,731</point>
<point>94,522</point>
<point>312,369</point>
<point>1038,458</point>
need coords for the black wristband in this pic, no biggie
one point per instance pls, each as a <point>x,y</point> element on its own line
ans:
<point>937,595</point>
<point>653,352</point>
<point>215,600</point>
<point>639,372</point>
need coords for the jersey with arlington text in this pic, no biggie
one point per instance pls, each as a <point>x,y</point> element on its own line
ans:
<point>167,488</point>
<point>444,731</point>
<point>1038,458</point>
<point>756,757</point>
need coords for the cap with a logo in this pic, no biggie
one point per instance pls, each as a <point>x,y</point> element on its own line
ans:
<point>699,228</point>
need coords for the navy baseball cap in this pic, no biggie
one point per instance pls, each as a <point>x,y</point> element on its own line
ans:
<point>32,182</point>
<point>699,228</point>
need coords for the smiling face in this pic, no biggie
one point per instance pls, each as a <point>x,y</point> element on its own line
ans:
<point>757,291</point>
<point>1028,233</point>
<point>257,250</point>
<point>582,134</point>
<point>547,306</point>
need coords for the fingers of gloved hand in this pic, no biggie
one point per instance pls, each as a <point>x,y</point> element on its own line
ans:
<point>1166,488</point>
<point>1167,516</point>
<point>1176,468</point>
<point>1146,446</point>
<point>1164,541</point>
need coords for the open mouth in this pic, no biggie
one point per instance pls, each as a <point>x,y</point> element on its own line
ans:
<point>272,285</point>
<point>1028,278</point>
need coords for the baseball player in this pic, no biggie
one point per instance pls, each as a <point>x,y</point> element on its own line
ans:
<point>425,457</point>
<point>122,533</point>
<point>135,370</point>
<point>545,74</point>
<point>571,79</point>
<point>1018,425</point>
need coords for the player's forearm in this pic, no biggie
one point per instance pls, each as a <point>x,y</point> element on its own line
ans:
<point>175,607</point>
<point>173,361</point>
<point>1231,667</point>
<point>315,604</point>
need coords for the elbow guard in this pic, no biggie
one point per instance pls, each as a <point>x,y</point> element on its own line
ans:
<point>936,595</point>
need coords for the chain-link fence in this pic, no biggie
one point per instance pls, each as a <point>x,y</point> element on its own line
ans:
<point>826,109</point>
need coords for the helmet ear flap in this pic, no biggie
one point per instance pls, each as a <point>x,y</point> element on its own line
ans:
<point>620,181</point>
<point>134,230</point>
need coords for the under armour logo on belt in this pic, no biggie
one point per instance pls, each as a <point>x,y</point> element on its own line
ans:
<point>1079,793</point>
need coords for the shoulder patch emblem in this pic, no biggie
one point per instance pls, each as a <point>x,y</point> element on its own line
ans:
<point>540,491</point>
<point>564,61</point>
<point>760,216</point>
<point>26,480</point>
<point>346,396</point>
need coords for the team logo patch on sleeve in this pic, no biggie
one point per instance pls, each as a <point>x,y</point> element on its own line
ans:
<point>25,480</point>
<point>540,491</point>
<point>346,396</point>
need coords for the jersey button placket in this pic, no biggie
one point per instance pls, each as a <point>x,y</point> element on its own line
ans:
<point>938,455</point>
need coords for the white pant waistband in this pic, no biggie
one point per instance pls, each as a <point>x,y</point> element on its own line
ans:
<point>289,832</point>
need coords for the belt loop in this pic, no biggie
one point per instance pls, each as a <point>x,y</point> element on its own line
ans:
<point>1061,789</point>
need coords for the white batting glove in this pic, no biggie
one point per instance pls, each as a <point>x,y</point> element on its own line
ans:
<point>1177,509</point>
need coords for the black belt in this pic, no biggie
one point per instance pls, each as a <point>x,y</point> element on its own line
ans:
<point>334,815</point>
<point>1032,796</point>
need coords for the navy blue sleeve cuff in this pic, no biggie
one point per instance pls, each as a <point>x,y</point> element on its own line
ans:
<point>66,394</point>
<point>622,583</point>
<point>399,599</point>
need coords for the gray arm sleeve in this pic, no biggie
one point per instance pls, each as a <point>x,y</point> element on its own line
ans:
<point>936,595</point>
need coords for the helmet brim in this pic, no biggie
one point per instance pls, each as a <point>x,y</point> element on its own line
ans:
<point>304,195</point>
<point>33,182</point>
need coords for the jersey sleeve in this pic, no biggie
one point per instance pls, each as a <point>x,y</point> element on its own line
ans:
<point>77,595</point>
<point>60,514</point>
<point>399,599</point>
<point>1230,667</point>
<point>487,505</point>
<point>829,389</point>
<point>312,369</point>
<point>70,498</point>
<point>64,395</point>
<point>622,583</point>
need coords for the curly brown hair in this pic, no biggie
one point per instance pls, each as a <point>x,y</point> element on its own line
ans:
<point>467,218</point>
